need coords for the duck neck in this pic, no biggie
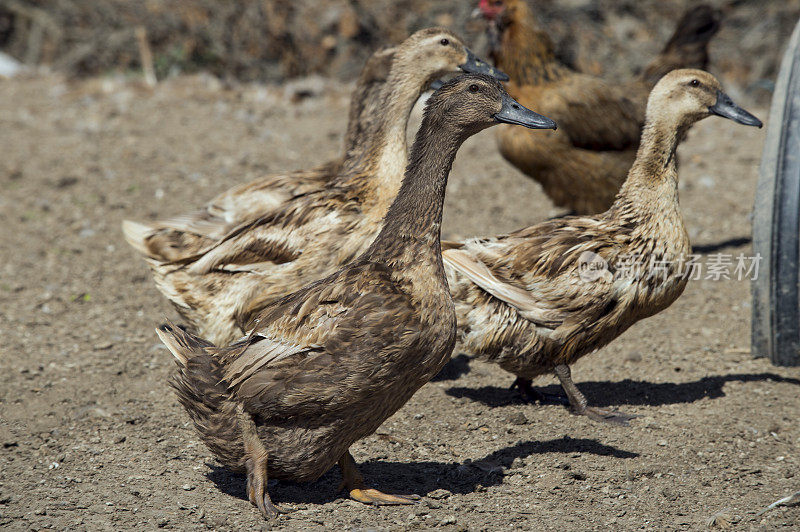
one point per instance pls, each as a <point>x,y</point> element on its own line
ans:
<point>652,183</point>
<point>412,225</point>
<point>526,53</point>
<point>385,159</point>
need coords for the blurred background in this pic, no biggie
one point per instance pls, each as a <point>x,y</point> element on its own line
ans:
<point>274,40</point>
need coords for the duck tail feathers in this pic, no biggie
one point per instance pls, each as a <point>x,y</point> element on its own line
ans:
<point>136,234</point>
<point>204,395</point>
<point>182,344</point>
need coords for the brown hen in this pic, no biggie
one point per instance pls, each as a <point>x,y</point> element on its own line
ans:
<point>582,165</point>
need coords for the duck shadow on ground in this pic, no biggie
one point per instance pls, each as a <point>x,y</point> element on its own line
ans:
<point>713,247</point>
<point>455,368</point>
<point>420,477</point>
<point>625,392</point>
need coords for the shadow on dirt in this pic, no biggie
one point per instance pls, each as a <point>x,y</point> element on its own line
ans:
<point>420,477</point>
<point>705,249</point>
<point>626,392</point>
<point>455,368</point>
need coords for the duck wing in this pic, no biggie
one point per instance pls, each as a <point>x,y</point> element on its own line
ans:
<point>540,272</point>
<point>307,347</point>
<point>272,239</point>
<point>507,291</point>
<point>184,236</point>
<point>256,198</point>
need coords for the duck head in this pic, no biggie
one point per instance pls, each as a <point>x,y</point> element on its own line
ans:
<point>435,52</point>
<point>472,102</point>
<point>689,95</point>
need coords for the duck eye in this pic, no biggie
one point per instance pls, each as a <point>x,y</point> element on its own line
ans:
<point>473,88</point>
<point>444,42</point>
<point>694,83</point>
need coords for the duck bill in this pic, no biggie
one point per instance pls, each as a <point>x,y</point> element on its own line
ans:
<point>474,65</point>
<point>514,113</point>
<point>727,109</point>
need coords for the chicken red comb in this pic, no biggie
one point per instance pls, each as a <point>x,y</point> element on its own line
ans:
<point>490,9</point>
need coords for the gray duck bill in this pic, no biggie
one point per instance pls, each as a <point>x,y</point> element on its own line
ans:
<point>474,65</point>
<point>727,109</point>
<point>514,113</point>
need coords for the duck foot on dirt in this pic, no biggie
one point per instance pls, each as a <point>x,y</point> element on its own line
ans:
<point>257,488</point>
<point>579,405</point>
<point>532,395</point>
<point>256,465</point>
<point>354,483</point>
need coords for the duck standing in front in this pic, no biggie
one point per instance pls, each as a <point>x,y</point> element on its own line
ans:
<point>536,300</point>
<point>326,365</point>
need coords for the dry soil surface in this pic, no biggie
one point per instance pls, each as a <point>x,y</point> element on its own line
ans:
<point>93,439</point>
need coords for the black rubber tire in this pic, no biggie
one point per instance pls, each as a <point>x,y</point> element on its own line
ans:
<point>776,222</point>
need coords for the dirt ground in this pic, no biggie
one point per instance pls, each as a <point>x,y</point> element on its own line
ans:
<point>93,439</point>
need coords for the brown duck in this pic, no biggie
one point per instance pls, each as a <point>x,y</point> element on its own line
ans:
<point>185,235</point>
<point>536,300</point>
<point>291,235</point>
<point>582,165</point>
<point>326,365</point>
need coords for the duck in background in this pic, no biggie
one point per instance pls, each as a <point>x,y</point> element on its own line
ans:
<point>296,228</point>
<point>186,235</point>
<point>325,366</point>
<point>583,164</point>
<point>536,300</point>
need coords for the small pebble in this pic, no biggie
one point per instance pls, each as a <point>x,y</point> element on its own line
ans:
<point>449,520</point>
<point>518,418</point>
<point>187,487</point>
<point>439,494</point>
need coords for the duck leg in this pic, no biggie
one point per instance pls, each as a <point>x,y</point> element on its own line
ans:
<point>256,465</point>
<point>580,406</point>
<point>532,395</point>
<point>354,483</point>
